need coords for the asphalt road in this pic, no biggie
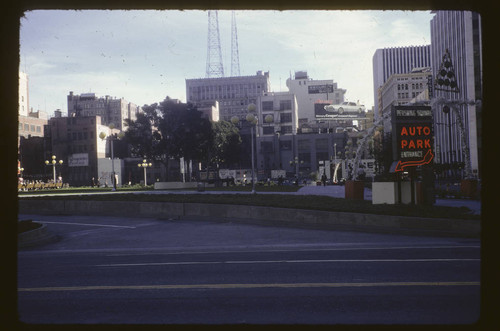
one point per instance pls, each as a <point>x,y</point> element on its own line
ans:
<point>165,271</point>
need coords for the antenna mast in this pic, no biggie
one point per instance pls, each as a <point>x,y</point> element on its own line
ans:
<point>235,55</point>
<point>214,54</point>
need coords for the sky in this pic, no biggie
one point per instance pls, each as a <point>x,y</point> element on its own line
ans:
<point>145,55</point>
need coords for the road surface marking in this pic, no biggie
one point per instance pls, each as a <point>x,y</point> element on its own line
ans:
<point>240,286</point>
<point>292,250</point>
<point>277,261</point>
<point>103,225</point>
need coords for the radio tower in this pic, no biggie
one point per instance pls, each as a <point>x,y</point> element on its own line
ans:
<point>235,55</point>
<point>214,54</point>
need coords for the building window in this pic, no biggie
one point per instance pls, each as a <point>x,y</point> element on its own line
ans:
<point>304,144</point>
<point>321,144</point>
<point>285,145</point>
<point>268,130</point>
<point>266,146</point>
<point>286,118</point>
<point>267,105</point>
<point>285,104</point>
<point>286,129</point>
<point>32,128</point>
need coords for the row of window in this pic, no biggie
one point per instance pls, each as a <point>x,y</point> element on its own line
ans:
<point>406,95</point>
<point>413,86</point>
<point>284,105</point>
<point>284,129</point>
<point>80,135</point>
<point>225,87</point>
<point>30,127</point>
<point>72,148</point>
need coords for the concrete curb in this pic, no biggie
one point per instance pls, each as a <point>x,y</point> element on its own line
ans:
<point>35,237</point>
<point>262,215</point>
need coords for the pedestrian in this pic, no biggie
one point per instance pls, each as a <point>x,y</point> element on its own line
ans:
<point>323,179</point>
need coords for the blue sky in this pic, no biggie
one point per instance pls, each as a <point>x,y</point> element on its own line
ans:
<point>143,56</point>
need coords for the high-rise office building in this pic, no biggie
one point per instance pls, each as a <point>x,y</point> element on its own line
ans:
<point>459,34</point>
<point>234,94</point>
<point>396,60</point>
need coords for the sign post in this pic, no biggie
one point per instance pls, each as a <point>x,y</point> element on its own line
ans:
<point>412,140</point>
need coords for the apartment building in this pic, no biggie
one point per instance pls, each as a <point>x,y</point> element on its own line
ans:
<point>110,110</point>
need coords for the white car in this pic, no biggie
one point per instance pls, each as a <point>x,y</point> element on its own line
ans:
<point>346,108</point>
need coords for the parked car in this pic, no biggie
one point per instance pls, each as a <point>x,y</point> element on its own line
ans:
<point>346,107</point>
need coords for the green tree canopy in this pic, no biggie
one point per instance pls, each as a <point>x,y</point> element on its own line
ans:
<point>170,130</point>
<point>226,146</point>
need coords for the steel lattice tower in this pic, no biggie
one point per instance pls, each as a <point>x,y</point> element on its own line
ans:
<point>214,54</point>
<point>235,56</point>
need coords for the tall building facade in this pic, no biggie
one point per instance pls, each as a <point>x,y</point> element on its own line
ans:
<point>401,89</point>
<point>23,94</point>
<point>459,33</point>
<point>234,94</point>
<point>396,60</point>
<point>309,91</point>
<point>111,110</point>
<point>277,114</point>
<point>76,141</point>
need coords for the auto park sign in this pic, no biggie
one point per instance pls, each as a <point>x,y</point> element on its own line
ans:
<point>412,136</point>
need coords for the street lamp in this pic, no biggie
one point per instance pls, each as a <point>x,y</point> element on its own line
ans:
<point>296,162</point>
<point>53,163</point>
<point>252,119</point>
<point>112,137</point>
<point>144,165</point>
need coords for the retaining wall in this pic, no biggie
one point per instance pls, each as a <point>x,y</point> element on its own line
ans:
<point>262,215</point>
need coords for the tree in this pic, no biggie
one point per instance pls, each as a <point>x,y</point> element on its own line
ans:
<point>143,141</point>
<point>226,146</point>
<point>170,130</point>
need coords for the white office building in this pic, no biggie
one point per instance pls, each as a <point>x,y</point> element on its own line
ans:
<point>309,91</point>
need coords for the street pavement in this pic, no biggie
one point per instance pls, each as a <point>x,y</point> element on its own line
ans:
<point>108,270</point>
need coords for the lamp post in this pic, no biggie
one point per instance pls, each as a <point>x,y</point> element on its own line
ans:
<point>112,137</point>
<point>296,162</point>
<point>145,165</point>
<point>53,163</point>
<point>252,119</point>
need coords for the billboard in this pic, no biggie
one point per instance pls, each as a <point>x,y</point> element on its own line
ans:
<point>78,160</point>
<point>324,110</point>
<point>412,136</point>
<point>317,89</point>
